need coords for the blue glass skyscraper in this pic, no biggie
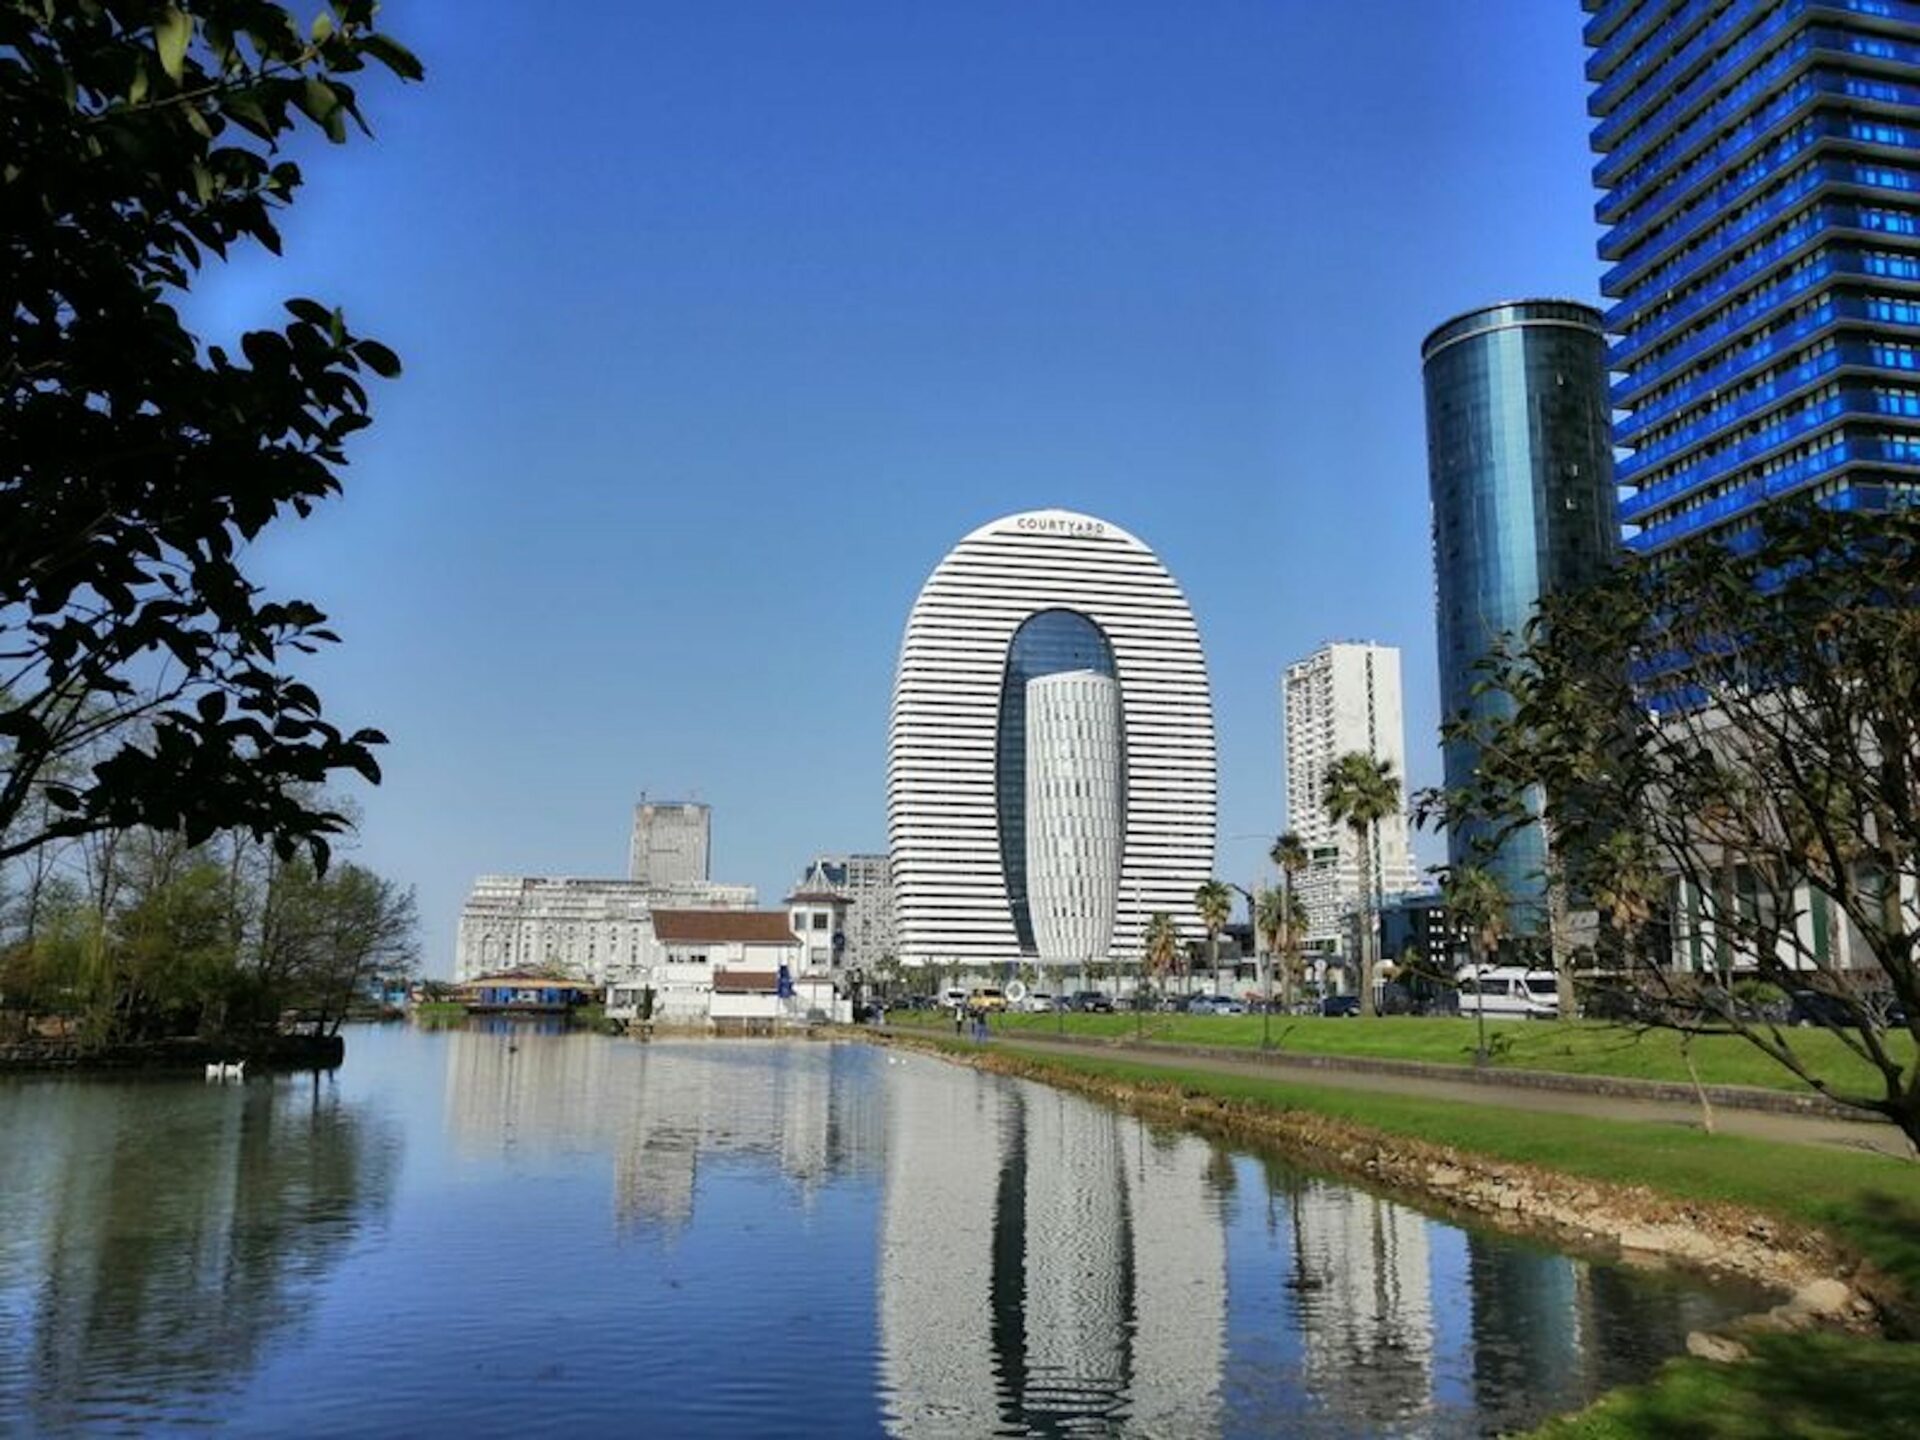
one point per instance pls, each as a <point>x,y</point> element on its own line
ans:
<point>1760,163</point>
<point>1523,507</point>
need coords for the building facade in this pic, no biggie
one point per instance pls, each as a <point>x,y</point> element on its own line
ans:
<point>1520,469</point>
<point>1076,814</point>
<point>706,965</point>
<point>1021,598</point>
<point>672,843</point>
<point>1759,162</point>
<point>1345,697</point>
<point>594,930</point>
<point>865,882</point>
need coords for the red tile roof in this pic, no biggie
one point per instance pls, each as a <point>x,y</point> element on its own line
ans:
<point>762,927</point>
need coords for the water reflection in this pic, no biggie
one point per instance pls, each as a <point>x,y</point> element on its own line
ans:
<point>697,1238</point>
<point>1047,1266</point>
<point>159,1236</point>
<point>663,1109</point>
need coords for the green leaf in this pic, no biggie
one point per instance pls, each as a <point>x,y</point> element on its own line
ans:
<point>171,34</point>
<point>395,56</point>
<point>379,359</point>
<point>322,27</point>
<point>137,91</point>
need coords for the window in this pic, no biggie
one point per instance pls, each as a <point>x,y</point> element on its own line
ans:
<point>819,919</point>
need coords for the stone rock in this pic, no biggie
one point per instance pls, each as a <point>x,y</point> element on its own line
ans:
<point>1824,1298</point>
<point>1716,1348</point>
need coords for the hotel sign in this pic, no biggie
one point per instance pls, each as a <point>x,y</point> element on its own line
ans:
<point>1060,525</point>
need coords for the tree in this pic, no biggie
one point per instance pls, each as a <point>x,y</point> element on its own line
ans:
<point>1726,743</point>
<point>1360,792</point>
<point>1162,945</point>
<point>1282,918</point>
<point>1477,903</point>
<point>1213,903</point>
<point>1289,856</point>
<point>143,675</point>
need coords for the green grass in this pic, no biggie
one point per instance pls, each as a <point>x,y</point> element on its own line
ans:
<point>1869,1201</point>
<point>1812,1387</point>
<point>437,1012</point>
<point>1578,1047</point>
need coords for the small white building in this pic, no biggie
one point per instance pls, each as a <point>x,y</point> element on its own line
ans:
<point>724,968</point>
<point>824,978</point>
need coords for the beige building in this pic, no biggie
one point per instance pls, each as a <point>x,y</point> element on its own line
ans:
<point>593,930</point>
<point>672,843</point>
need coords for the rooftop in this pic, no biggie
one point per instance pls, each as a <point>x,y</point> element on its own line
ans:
<point>763,927</point>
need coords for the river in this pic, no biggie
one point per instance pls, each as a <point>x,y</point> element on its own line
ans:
<point>498,1231</point>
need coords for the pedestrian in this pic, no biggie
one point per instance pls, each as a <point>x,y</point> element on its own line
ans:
<point>958,1016</point>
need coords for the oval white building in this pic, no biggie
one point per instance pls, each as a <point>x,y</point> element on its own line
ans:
<point>1031,595</point>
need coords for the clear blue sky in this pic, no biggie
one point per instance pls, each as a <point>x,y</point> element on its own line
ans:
<point>723,320</point>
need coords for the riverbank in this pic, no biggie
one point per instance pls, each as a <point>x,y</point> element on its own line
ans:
<point>1573,1048</point>
<point>262,1053</point>
<point>1836,1232</point>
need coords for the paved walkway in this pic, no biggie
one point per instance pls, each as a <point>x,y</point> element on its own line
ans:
<point>1757,1124</point>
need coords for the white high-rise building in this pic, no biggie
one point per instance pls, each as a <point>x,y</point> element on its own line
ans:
<point>672,842</point>
<point>1342,698</point>
<point>1076,814</point>
<point>1028,596</point>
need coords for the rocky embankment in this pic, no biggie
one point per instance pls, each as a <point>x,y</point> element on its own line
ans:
<point>1821,1284</point>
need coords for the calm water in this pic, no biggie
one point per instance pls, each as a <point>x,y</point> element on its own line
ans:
<point>458,1236</point>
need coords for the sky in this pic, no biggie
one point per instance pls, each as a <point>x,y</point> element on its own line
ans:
<point>723,321</point>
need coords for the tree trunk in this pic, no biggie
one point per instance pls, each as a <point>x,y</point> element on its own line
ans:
<point>1365,948</point>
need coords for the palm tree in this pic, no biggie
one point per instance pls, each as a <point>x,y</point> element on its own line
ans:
<point>1213,902</point>
<point>1282,919</point>
<point>1161,943</point>
<point>1289,855</point>
<point>1361,790</point>
<point>1477,902</point>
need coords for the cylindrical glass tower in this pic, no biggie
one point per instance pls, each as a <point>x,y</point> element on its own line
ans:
<point>1076,814</point>
<point>1520,468</point>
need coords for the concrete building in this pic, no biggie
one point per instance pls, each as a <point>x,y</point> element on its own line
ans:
<point>1076,814</point>
<point>1759,165</point>
<point>593,930</point>
<point>865,882</point>
<point>1521,474</point>
<point>1344,697</point>
<point>672,843</point>
<point>1024,597</point>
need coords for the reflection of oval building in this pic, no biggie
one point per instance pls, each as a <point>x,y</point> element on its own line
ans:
<point>1024,598</point>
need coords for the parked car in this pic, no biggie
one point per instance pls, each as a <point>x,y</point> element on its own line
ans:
<point>1039,1002</point>
<point>1091,1002</point>
<point>986,997</point>
<point>953,998</point>
<point>1509,992</point>
<point>1339,1006</point>
<point>1215,1005</point>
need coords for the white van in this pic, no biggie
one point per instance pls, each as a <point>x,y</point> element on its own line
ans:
<point>954,997</point>
<point>1509,992</point>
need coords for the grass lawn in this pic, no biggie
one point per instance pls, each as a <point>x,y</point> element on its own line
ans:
<point>1821,1387</point>
<point>1578,1047</point>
